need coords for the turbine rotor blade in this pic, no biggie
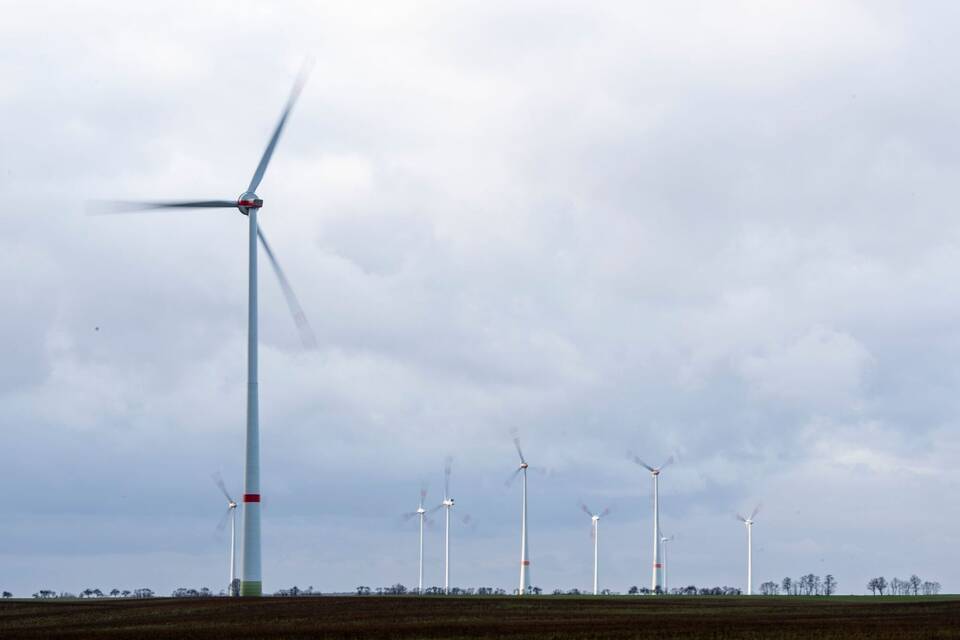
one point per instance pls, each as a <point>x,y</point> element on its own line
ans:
<point>666,464</point>
<point>218,479</point>
<point>516,443</point>
<point>756,510</point>
<point>447,468</point>
<point>268,152</point>
<point>740,518</point>
<point>223,520</point>
<point>307,337</point>
<point>99,207</point>
<point>640,462</point>
<point>586,510</point>
<point>605,512</point>
<point>513,476</point>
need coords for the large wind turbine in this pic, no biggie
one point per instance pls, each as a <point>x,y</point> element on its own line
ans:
<point>749,524</point>
<point>231,513</point>
<point>524,550</point>
<point>595,534</point>
<point>657,579</point>
<point>421,514</point>
<point>249,204</point>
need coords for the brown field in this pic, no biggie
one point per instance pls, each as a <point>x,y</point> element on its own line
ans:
<point>483,617</point>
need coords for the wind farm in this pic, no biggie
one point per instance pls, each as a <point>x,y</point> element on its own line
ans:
<point>632,266</point>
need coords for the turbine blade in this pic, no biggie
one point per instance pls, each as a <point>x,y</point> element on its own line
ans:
<point>740,518</point>
<point>447,468</point>
<point>223,520</point>
<point>756,510</point>
<point>586,510</point>
<point>666,464</point>
<point>605,512</point>
<point>307,337</point>
<point>218,479</point>
<point>516,443</point>
<point>100,207</point>
<point>513,476</point>
<point>639,461</point>
<point>407,516</point>
<point>435,509</point>
<point>268,152</point>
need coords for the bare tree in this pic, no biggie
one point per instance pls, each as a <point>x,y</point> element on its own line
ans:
<point>786,584</point>
<point>829,585</point>
<point>915,584</point>
<point>881,584</point>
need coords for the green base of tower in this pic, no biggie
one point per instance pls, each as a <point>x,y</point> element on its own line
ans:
<point>254,589</point>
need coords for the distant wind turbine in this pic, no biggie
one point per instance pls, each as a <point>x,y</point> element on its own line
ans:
<point>657,579</point>
<point>447,504</point>
<point>595,534</point>
<point>666,563</point>
<point>421,514</point>
<point>749,524</point>
<point>524,550</point>
<point>231,513</point>
<point>249,204</point>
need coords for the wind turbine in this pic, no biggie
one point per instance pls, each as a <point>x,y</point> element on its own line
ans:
<point>249,204</point>
<point>447,504</point>
<point>421,514</point>
<point>231,513</point>
<point>749,524</point>
<point>657,579</point>
<point>666,563</point>
<point>524,550</point>
<point>595,534</point>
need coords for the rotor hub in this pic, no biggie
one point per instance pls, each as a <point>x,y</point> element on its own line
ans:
<point>248,200</point>
<point>523,465</point>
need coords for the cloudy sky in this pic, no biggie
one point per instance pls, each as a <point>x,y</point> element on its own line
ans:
<point>725,231</point>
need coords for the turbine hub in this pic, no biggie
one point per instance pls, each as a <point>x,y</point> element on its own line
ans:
<point>421,510</point>
<point>523,465</point>
<point>248,200</point>
<point>655,472</point>
<point>595,518</point>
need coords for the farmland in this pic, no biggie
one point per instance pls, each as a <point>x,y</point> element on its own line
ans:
<point>481,617</point>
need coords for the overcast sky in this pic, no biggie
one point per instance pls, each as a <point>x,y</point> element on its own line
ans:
<point>725,231</point>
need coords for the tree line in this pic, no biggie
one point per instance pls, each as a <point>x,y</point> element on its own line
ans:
<point>808,585</point>
<point>912,586</point>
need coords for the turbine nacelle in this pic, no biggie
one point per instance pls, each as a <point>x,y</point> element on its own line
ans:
<point>232,505</point>
<point>524,465</point>
<point>248,200</point>
<point>421,511</point>
<point>448,502</point>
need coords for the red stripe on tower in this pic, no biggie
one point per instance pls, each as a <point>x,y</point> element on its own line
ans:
<point>657,565</point>
<point>526,563</point>
<point>251,497</point>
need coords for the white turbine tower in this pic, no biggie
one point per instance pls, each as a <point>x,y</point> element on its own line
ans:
<point>595,534</point>
<point>666,563</point>
<point>231,513</point>
<point>524,550</point>
<point>657,579</point>
<point>421,514</point>
<point>748,522</point>
<point>249,204</point>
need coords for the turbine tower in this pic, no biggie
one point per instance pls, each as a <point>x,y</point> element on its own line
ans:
<point>447,504</point>
<point>231,513</point>
<point>749,524</point>
<point>666,563</point>
<point>657,578</point>
<point>249,204</point>
<point>595,534</point>
<point>524,550</point>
